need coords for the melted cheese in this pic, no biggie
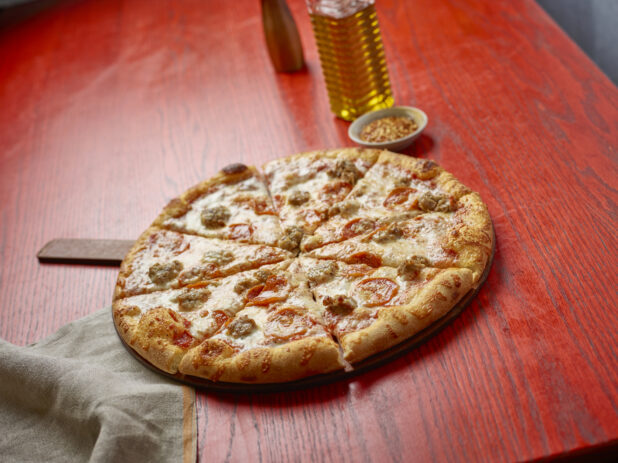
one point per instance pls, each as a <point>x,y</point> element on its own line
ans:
<point>371,192</point>
<point>304,174</point>
<point>363,315</point>
<point>430,231</point>
<point>222,298</point>
<point>244,257</point>
<point>267,229</point>
<point>299,299</point>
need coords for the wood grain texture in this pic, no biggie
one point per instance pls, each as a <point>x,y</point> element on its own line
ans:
<point>109,109</point>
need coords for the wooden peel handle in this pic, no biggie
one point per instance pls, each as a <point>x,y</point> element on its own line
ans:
<point>84,251</point>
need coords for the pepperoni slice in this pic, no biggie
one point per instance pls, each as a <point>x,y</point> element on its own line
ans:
<point>335,192</point>
<point>254,292</point>
<point>266,255</point>
<point>287,324</point>
<point>285,317</point>
<point>220,318</point>
<point>320,166</point>
<point>356,270</point>
<point>168,242</point>
<point>355,321</point>
<point>199,284</point>
<point>358,226</point>
<point>178,318</point>
<point>275,283</point>
<point>259,205</point>
<point>275,289</point>
<point>377,291</point>
<point>398,196</point>
<point>241,231</point>
<point>262,207</point>
<point>366,258</point>
<point>183,340</point>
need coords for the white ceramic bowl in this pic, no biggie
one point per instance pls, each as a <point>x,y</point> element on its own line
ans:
<point>394,145</point>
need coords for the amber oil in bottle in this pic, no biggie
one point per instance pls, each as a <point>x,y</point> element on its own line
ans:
<point>353,62</point>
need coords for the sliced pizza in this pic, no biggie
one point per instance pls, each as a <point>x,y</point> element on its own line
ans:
<point>233,205</point>
<point>163,259</point>
<point>369,309</point>
<point>191,314</point>
<point>438,239</point>
<point>305,186</point>
<point>395,188</point>
<point>278,336</point>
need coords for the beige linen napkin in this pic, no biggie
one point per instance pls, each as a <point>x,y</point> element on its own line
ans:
<point>79,396</point>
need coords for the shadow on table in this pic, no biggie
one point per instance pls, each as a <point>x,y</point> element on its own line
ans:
<point>423,146</point>
<point>16,12</point>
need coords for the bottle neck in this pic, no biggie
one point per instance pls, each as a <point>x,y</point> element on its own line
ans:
<point>337,8</point>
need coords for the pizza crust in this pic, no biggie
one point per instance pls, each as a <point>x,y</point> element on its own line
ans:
<point>126,320</point>
<point>398,323</point>
<point>161,337</point>
<point>475,236</point>
<point>216,360</point>
<point>368,155</point>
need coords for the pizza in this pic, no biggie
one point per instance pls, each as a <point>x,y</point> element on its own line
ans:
<point>305,186</point>
<point>309,266</point>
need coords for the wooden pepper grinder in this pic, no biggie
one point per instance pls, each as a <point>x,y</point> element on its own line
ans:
<point>282,39</point>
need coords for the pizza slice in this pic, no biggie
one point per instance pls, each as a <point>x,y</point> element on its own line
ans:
<point>437,239</point>
<point>305,186</point>
<point>163,259</point>
<point>395,188</point>
<point>163,325</point>
<point>278,336</point>
<point>232,205</point>
<point>369,309</point>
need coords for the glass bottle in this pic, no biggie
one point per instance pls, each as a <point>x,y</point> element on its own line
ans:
<point>349,42</point>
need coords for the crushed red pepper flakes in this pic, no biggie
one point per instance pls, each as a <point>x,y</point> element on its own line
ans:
<point>388,129</point>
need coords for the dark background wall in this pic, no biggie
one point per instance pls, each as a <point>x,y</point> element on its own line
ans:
<point>593,25</point>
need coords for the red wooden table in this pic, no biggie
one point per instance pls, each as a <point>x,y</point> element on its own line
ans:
<point>110,108</point>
